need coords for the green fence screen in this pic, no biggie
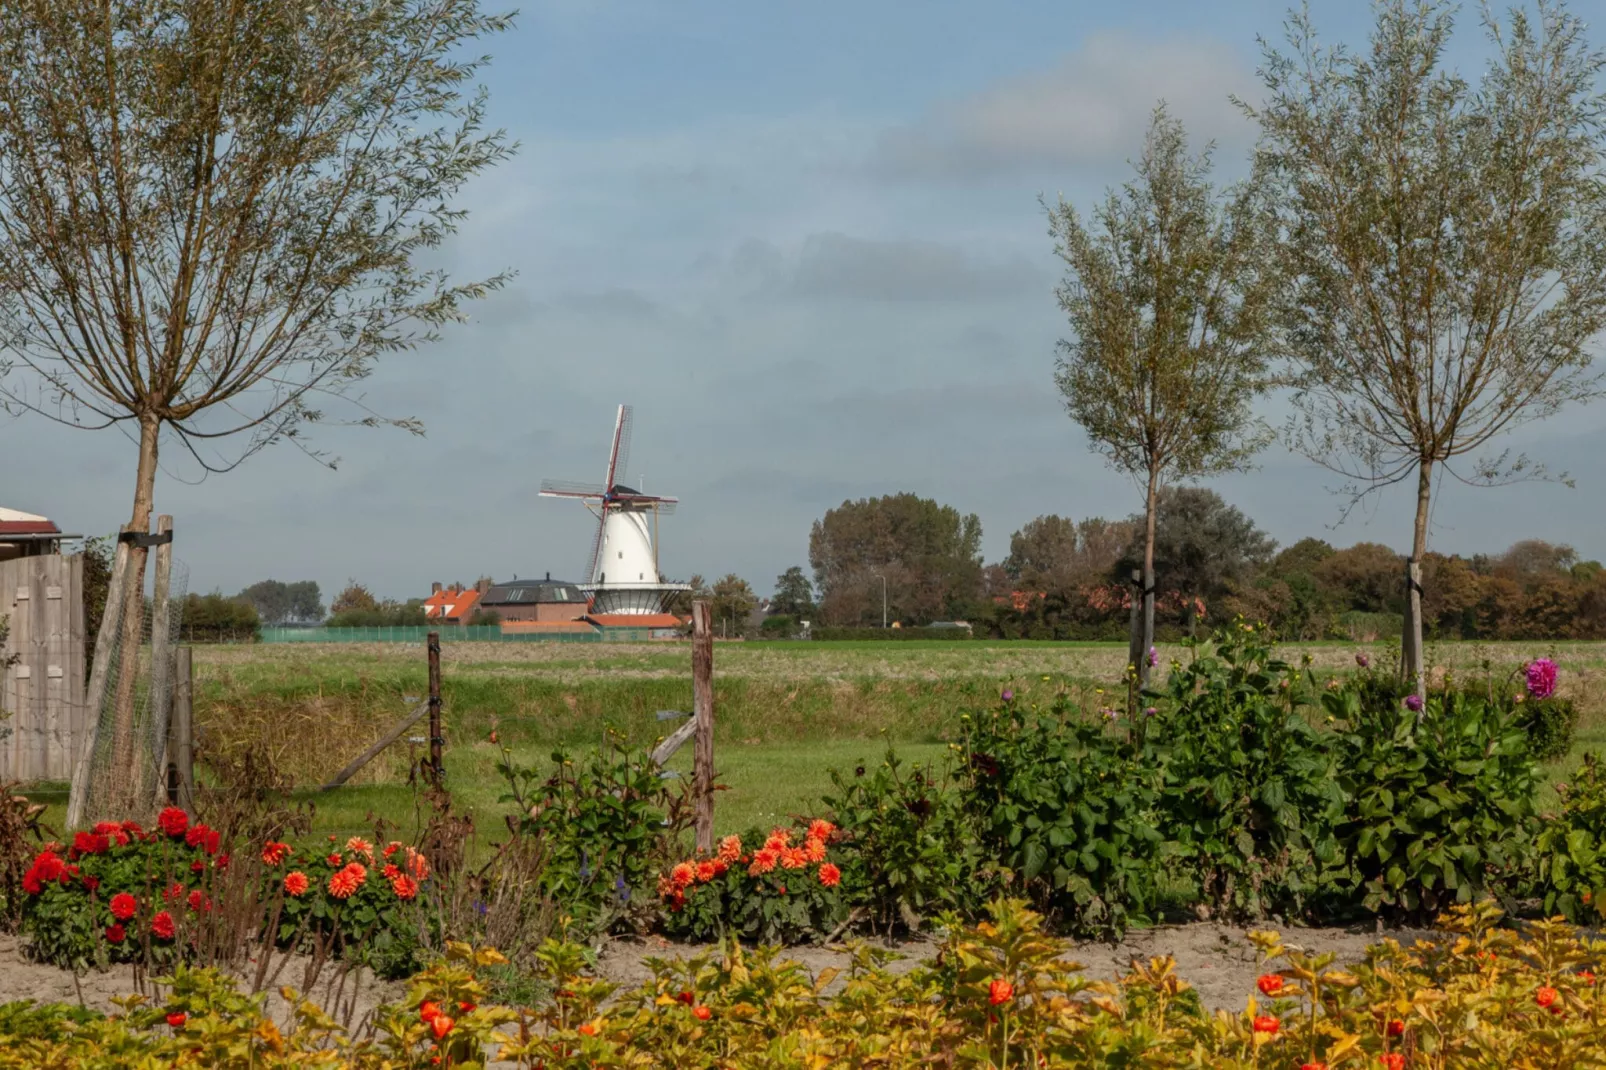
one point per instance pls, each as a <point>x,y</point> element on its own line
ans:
<point>489,633</point>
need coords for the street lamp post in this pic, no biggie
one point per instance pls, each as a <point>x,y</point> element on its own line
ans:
<point>883,580</point>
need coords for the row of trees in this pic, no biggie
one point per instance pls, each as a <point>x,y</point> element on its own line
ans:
<point>1415,256</point>
<point>1069,579</point>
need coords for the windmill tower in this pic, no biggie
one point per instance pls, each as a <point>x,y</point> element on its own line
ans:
<point>623,575</point>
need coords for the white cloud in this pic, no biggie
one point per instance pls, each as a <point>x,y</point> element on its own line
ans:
<point>1090,110</point>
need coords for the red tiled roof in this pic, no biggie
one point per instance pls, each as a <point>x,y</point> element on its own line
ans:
<point>634,620</point>
<point>452,605</point>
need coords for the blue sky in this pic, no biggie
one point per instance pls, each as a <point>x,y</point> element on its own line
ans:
<point>804,241</point>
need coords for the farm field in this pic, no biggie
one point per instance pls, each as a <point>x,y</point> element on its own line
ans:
<point>786,713</point>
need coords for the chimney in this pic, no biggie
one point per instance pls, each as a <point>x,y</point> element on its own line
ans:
<point>434,588</point>
<point>482,584</point>
<point>549,577</point>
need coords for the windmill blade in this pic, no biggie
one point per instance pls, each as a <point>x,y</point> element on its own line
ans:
<point>596,545</point>
<point>619,457</point>
<point>563,488</point>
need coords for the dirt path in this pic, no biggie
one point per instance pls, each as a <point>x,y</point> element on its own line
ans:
<point>1218,960</point>
<point>348,996</point>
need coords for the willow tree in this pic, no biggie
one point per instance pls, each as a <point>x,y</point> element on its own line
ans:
<point>215,214</point>
<point>1444,242</point>
<point>1167,290</point>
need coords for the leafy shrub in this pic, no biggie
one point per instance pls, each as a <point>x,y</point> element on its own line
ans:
<point>778,626</point>
<point>216,618</point>
<point>1439,803</point>
<point>1369,627</point>
<point>914,848</point>
<point>1571,846</point>
<point>1249,794</point>
<point>1549,724</point>
<point>1069,810</point>
<point>784,892</point>
<point>1002,995</point>
<point>607,825</point>
<point>881,634</point>
<point>999,995</point>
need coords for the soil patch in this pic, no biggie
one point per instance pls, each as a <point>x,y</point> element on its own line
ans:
<point>1217,960</point>
<point>348,996</point>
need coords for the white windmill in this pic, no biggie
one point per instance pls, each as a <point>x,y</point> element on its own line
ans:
<point>623,575</point>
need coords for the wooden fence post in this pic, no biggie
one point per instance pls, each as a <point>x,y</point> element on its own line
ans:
<point>181,731</point>
<point>1411,640</point>
<point>702,682</point>
<point>111,619</point>
<point>159,699</point>
<point>435,740</point>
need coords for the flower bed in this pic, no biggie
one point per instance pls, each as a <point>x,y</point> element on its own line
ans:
<point>786,890</point>
<point>999,995</point>
<point>123,893</point>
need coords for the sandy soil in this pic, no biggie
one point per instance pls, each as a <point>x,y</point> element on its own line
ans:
<point>1217,960</point>
<point>349,996</point>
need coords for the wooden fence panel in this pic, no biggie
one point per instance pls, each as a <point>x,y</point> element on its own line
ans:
<point>43,693</point>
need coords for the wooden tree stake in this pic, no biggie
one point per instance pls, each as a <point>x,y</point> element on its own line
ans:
<point>1411,640</point>
<point>181,730</point>
<point>111,619</point>
<point>160,697</point>
<point>702,682</point>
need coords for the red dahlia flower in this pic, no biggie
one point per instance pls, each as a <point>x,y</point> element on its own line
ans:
<point>173,822</point>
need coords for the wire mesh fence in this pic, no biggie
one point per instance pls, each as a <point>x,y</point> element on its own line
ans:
<point>127,765</point>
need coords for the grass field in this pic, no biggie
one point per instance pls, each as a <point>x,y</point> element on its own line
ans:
<point>786,713</point>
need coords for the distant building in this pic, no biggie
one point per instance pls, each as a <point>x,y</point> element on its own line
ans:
<point>451,605</point>
<point>544,601</point>
<point>28,535</point>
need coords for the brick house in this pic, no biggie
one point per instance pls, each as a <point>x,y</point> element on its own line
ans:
<point>546,601</point>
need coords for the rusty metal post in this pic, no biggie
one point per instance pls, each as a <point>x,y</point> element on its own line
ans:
<point>702,683</point>
<point>435,740</point>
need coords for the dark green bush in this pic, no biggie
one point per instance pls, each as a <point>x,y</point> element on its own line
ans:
<point>215,618</point>
<point>778,626</point>
<point>1439,805</point>
<point>1249,794</point>
<point>1571,847</point>
<point>1069,808</point>
<point>914,848</point>
<point>606,825</point>
<point>1549,724</point>
<point>878,634</point>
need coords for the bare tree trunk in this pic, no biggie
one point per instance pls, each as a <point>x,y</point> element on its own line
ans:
<point>1411,668</point>
<point>123,742</point>
<point>1424,487</point>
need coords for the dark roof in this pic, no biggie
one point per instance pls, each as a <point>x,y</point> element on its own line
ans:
<point>620,488</point>
<point>532,592</point>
